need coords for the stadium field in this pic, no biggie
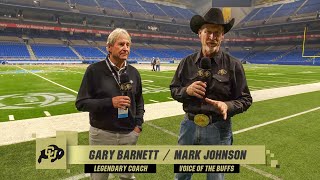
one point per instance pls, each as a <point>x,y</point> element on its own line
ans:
<point>291,134</point>
<point>35,90</point>
<point>293,141</point>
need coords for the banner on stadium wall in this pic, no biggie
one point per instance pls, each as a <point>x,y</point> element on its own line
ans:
<point>52,28</point>
<point>144,35</point>
<point>93,31</point>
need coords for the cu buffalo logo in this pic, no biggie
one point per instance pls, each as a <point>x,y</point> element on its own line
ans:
<point>52,152</point>
<point>126,86</point>
<point>202,73</point>
<point>34,100</point>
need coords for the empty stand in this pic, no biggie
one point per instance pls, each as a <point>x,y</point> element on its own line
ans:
<point>89,52</point>
<point>79,42</point>
<point>186,13</point>
<point>111,4</point>
<point>55,4</point>
<point>265,13</point>
<point>135,9</point>
<point>87,6</point>
<point>170,11</point>
<point>13,51</point>
<point>53,52</point>
<point>282,13</point>
<point>288,9</point>
<point>19,2</point>
<point>256,31</point>
<point>311,6</point>
<point>132,6</point>
<point>152,8</point>
<point>45,41</point>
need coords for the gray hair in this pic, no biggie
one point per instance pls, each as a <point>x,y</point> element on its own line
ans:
<point>113,36</point>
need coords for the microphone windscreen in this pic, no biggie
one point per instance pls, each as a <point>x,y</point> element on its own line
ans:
<point>205,63</point>
<point>124,78</point>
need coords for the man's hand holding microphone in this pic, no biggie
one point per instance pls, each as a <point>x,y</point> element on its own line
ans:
<point>198,88</point>
<point>124,101</point>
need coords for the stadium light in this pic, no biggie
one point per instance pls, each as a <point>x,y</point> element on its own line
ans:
<point>36,2</point>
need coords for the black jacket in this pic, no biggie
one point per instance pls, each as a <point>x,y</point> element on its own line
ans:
<point>227,83</point>
<point>95,96</point>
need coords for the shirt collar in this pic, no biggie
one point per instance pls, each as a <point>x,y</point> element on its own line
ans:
<point>115,67</point>
<point>216,57</point>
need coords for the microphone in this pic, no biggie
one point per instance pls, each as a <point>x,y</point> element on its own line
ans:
<point>125,84</point>
<point>204,75</point>
<point>204,72</point>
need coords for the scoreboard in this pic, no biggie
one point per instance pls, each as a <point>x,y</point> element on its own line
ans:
<point>231,3</point>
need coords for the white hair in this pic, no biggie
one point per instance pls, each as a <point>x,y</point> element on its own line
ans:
<point>113,36</point>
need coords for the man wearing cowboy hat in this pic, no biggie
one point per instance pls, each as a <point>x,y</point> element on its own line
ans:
<point>209,104</point>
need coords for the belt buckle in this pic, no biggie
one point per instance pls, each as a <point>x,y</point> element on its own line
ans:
<point>201,120</point>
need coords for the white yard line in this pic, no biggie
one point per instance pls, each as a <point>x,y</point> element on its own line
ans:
<point>274,121</point>
<point>282,77</point>
<point>162,129</point>
<point>169,72</point>
<point>245,129</point>
<point>156,76</point>
<point>47,113</point>
<point>282,82</point>
<point>153,101</point>
<point>75,72</point>
<point>254,88</point>
<point>49,80</point>
<point>259,171</point>
<point>147,84</point>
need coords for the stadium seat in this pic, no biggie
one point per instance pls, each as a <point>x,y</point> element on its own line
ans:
<point>53,51</point>
<point>13,50</point>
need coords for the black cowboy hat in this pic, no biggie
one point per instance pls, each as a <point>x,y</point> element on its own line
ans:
<point>213,16</point>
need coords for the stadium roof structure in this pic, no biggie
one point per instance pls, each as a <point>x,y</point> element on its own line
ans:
<point>261,2</point>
